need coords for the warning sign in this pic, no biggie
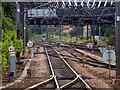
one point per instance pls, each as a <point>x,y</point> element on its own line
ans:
<point>30,44</point>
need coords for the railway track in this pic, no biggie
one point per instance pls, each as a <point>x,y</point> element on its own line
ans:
<point>91,61</point>
<point>63,75</point>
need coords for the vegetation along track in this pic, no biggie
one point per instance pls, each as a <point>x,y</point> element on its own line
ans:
<point>91,61</point>
<point>63,75</point>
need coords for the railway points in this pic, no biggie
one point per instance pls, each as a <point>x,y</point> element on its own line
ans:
<point>54,53</point>
<point>62,43</point>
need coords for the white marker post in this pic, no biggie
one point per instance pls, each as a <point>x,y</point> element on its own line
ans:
<point>11,49</point>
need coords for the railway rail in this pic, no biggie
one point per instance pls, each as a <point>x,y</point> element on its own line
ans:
<point>78,45</point>
<point>91,61</point>
<point>63,75</point>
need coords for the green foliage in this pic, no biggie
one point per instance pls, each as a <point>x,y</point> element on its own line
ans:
<point>109,38</point>
<point>66,38</point>
<point>38,29</point>
<point>77,31</point>
<point>73,33</point>
<point>9,9</point>
<point>28,34</point>
<point>37,36</point>
<point>8,37</point>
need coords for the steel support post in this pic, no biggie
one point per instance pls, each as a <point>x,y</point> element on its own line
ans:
<point>49,36</point>
<point>117,40</point>
<point>76,33</point>
<point>82,31</point>
<point>47,32</point>
<point>52,32</point>
<point>18,20</point>
<point>60,32</point>
<point>42,30</point>
<point>99,32</point>
<point>18,27</point>
<point>117,45</point>
<point>23,26</point>
<point>110,29</point>
<point>0,43</point>
<point>87,32</point>
<point>93,30</point>
<point>90,33</point>
<point>0,21</point>
<point>22,22</point>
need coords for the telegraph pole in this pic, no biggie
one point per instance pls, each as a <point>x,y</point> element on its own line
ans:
<point>93,30</point>
<point>23,26</point>
<point>18,27</point>
<point>1,43</point>
<point>0,21</point>
<point>42,30</point>
<point>47,32</point>
<point>117,45</point>
<point>60,31</point>
<point>87,32</point>
<point>76,33</point>
<point>53,32</point>
<point>117,40</point>
<point>99,32</point>
<point>110,29</point>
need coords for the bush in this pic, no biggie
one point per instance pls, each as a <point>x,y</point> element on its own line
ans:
<point>8,37</point>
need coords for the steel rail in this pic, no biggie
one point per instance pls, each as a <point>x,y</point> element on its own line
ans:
<point>68,84</point>
<point>54,76</point>
<point>40,84</point>
<point>48,80</point>
<point>52,69</point>
<point>86,85</point>
<point>91,62</point>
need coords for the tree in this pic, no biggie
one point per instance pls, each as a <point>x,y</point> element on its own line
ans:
<point>109,37</point>
<point>77,31</point>
<point>9,9</point>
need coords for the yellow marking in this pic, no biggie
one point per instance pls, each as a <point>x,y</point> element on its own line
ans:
<point>91,66</point>
<point>12,52</point>
<point>50,76</point>
<point>20,78</point>
<point>80,75</point>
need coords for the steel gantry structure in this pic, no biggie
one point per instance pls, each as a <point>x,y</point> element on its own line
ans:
<point>71,12</point>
